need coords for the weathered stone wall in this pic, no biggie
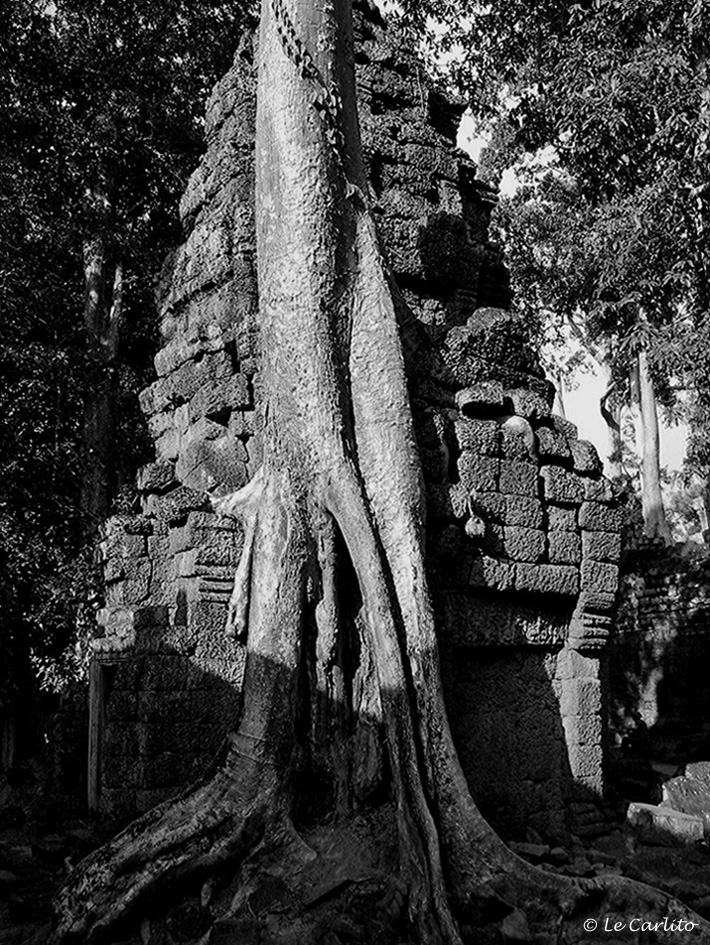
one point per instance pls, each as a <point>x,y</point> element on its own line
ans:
<point>524,543</point>
<point>660,648</point>
<point>522,529</point>
<point>170,680</point>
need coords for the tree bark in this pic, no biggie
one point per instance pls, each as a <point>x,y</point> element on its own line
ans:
<point>558,406</point>
<point>103,308</point>
<point>602,357</point>
<point>654,515</point>
<point>336,506</point>
<point>611,418</point>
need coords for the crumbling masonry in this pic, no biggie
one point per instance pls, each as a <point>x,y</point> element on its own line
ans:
<point>523,531</point>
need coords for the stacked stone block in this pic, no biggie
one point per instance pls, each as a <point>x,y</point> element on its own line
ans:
<point>533,519</point>
<point>169,679</point>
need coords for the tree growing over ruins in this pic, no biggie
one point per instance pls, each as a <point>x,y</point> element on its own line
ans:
<point>331,593</point>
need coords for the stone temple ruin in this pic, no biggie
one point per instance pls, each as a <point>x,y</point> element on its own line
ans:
<point>523,530</point>
<point>658,662</point>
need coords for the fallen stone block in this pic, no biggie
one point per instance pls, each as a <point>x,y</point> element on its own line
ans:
<point>514,928</point>
<point>663,826</point>
<point>534,852</point>
<point>688,795</point>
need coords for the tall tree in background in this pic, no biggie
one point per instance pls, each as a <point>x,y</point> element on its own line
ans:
<point>332,560</point>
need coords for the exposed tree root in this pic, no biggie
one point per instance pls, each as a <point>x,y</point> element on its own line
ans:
<point>244,507</point>
<point>246,800</point>
<point>215,823</point>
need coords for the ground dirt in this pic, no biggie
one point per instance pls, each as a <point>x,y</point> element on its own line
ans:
<point>334,886</point>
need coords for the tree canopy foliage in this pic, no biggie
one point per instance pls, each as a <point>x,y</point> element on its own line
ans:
<point>619,223</point>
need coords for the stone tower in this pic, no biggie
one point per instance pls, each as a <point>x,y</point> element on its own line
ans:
<point>523,532</point>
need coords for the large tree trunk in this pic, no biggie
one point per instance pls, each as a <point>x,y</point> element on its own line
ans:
<point>333,554</point>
